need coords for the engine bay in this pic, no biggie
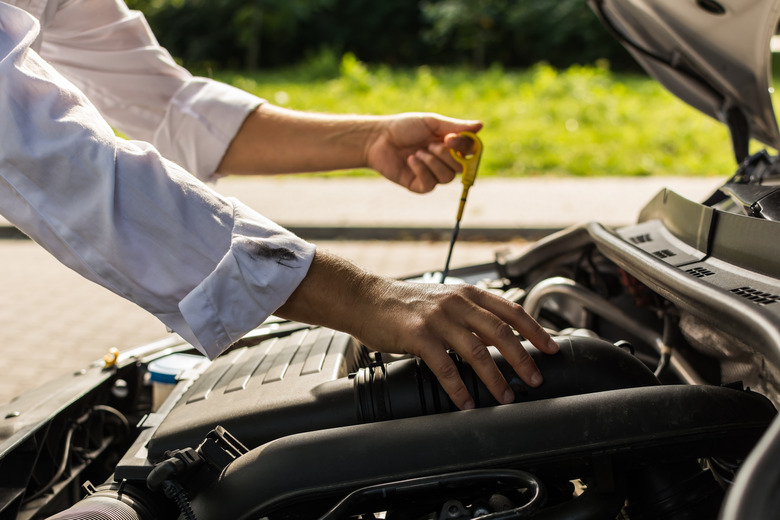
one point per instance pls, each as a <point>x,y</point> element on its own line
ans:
<point>661,402</point>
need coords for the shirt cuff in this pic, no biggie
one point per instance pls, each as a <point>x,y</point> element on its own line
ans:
<point>201,121</point>
<point>262,268</point>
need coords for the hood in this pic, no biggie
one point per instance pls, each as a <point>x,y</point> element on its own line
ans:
<point>712,54</point>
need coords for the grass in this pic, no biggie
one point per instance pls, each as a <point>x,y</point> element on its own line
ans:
<point>582,121</point>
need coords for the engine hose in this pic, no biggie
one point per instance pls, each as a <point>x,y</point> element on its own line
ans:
<point>115,501</point>
<point>101,507</point>
<point>176,493</point>
<point>409,388</point>
<point>600,306</point>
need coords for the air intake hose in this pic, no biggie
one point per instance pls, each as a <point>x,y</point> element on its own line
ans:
<point>408,388</point>
<point>115,501</point>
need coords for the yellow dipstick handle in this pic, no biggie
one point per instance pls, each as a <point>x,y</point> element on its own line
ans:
<point>470,166</point>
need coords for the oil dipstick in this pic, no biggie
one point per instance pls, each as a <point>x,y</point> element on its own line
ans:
<point>470,164</point>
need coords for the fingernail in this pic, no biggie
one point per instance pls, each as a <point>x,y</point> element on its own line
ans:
<point>536,379</point>
<point>468,405</point>
<point>552,345</point>
<point>509,397</point>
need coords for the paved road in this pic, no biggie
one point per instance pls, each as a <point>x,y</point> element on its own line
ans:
<point>53,321</point>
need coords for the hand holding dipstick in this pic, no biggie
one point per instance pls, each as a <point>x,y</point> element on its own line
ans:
<point>470,166</point>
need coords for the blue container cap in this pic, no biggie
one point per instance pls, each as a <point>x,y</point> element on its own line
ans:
<point>166,370</point>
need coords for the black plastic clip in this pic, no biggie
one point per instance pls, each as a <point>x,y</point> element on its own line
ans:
<point>220,448</point>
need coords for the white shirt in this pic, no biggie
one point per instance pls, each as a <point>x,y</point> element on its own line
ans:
<point>116,211</point>
<point>111,55</point>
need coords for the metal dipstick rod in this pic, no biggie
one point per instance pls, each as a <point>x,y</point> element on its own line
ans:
<point>470,165</point>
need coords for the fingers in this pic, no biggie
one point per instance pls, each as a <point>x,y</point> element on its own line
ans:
<point>498,333</point>
<point>447,374</point>
<point>473,349</point>
<point>472,320</point>
<point>515,316</point>
<point>434,165</point>
<point>424,142</point>
<point>492,321</point>
<point>442,152</point>
<point>429,170</point>
<point>460,143</point>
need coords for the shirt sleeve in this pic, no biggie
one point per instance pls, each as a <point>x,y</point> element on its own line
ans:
<point>120,214</point>
<point>110,53</point>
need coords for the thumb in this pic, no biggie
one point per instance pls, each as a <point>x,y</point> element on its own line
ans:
<point>442,125</point>
<point>462,144</point>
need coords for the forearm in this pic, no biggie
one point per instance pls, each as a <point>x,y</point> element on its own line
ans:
<point>277,140</point>
<point>332,293</point>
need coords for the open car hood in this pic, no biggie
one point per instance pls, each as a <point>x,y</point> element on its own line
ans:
<point>714,55</point>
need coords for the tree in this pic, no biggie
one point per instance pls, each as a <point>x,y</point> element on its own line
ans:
<point>468,25</point>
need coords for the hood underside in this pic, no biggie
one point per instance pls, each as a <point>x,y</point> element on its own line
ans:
<point>714,55</point>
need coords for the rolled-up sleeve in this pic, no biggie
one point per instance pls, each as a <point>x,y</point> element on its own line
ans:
<point>109,52</point>
<point>123,216</point>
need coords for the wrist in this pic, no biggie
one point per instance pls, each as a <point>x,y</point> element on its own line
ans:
<point>336,294</point>
<point>375,131</point>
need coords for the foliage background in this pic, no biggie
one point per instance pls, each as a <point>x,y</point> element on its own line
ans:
<point>253,34</point>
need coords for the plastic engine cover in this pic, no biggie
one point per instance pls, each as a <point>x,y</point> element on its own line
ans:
<point>275,380</point>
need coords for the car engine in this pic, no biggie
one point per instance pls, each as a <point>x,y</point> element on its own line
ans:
<point>661,404</point>
<point>664,391</point>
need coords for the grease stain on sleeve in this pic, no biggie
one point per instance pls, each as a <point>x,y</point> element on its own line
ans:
<point>283,256</point>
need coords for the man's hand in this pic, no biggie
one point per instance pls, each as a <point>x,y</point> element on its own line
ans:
<point>424,320</point>
<point>427,320</point>
<point>409,149</point>
<point>413,149</point>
